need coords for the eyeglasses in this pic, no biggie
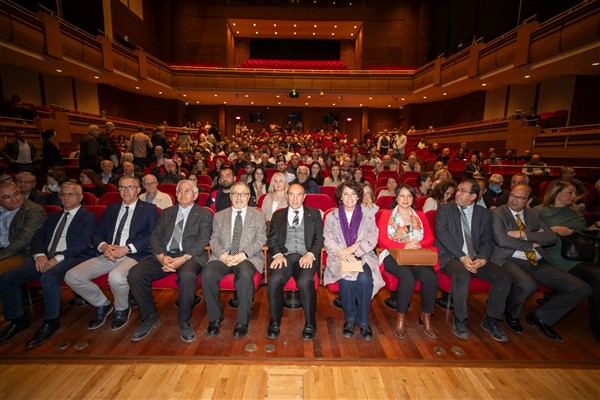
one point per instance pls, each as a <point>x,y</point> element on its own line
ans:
<point>518,198</point>
<point>186,191</point>
<point>150,183</point>
<point>128,188</point>
<point>63,195</point>
<point>238,194</point>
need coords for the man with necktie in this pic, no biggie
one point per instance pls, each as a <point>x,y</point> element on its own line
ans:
<point>238,235</point>
<point>177,245</point>
<point>295,243</point>
<point>521,235</point>
<point>60,244</point>
<point>465,242</point>
<point>122,239</point>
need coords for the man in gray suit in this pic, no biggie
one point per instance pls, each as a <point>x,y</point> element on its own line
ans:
<point>520,234</point>
<point>177,246</point>
<point>465,242</point>
<point>236,248</point>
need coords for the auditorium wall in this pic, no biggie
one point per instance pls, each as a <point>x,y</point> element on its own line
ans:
<point>586,102</point>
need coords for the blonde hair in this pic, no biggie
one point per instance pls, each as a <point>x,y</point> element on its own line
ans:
<point>285,182</point>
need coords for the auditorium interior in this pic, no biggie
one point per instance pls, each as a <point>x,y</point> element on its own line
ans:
<point>447,71</point>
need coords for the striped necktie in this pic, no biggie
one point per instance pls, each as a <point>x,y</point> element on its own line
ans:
<point>57,235</point>
<point>531,256</point>
<point>117,240</point>
<point>467,232</point>
<point>296,220</point>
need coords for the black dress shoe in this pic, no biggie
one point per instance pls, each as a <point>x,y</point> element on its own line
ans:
<point>214,327</point>
<point>240,330</point>
<point>197,300</point>
<point>42,335</point>
<point>273,330</point>
<point>366,333</point>
<point>186,331</point>
<point>77,302</point>
<point>120,319</point>
<point>99,319</point>
<point>390,302</point>
<point>348,329</point>
<point>547,330</point>
<point>514,324</point>
<point>309,332</point>
<point>12,330</point>
<point>337,302</point>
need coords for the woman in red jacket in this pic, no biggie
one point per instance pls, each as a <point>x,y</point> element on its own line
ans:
<point>403,227</point>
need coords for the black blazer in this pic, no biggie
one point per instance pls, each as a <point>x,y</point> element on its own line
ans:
<point>449,236</point>
<point>313,232</point>
<point>79,235</point>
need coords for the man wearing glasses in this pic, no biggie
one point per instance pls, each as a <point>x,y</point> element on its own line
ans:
<point>26,181</point>
<point>122,240</point>
<point>238,235</point>
<point>465,242</point>
<point>177,245</point>
<point>521,235</point>
<point>59,245</point>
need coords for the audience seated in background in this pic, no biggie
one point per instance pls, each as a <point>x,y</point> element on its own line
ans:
<point>536,167</point>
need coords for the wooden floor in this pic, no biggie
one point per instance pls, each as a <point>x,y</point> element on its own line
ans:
<point>78,363</point>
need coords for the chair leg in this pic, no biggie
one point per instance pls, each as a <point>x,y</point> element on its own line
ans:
<point>445,301</point>
<point>292,300</point>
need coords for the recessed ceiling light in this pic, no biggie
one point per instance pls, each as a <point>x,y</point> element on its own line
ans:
<point>314,34</point>
<point>274,25</point>
<point>442,94</point>
<point>294,33</point>
<point>224,102</point>
<point>277,96</point>
<point>197,102</point>
<point>96,77</point>
<point>251,102</point>
<point>596,64</point>
<point>305,104</point>
<point>424,97</point>
<point>253,24</point>
<point>527,76</point>
<point>335,26</point>
<point>276,33</point>
<point>294,25</point>
<point>137,87</point>
<point>238,32</point>
<point>159,92</point>
<point>360,105</point>
<point>315,25</point>
<point>352,34</point>
<point>389,105</point>
<point>234,24</point>
<point>333,104</point>
<point>59,70</point>
<point>246,96</point>
<point>308,97</point>
<point>215,95</point>
<point>370,98</point>
<point>256,32</point>
<point>355,26</point>
<point>402,99</point>
<point>278,102</point>
<point>484,84</point>
<point>332,34</point>
<point>185,95</point>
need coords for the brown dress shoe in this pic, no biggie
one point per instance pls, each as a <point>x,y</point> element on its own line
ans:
<point>400,326</point>
<point>425,320</point>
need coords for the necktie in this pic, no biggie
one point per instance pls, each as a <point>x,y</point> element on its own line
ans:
<point>237,234</point>
<point>117,240</point>
<point>531,256</point>
<point>467,232</point>
<point>58,234</point>
<point>296,220</point>
<point>177,234</point>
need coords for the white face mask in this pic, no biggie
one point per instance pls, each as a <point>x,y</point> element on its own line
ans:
<point>53,187</point>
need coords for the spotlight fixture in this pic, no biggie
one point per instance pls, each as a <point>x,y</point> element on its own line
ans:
<point>294,94</point>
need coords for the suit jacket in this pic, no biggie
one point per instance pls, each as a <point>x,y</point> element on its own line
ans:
<point>25,223</point>
<point>253,236</point>
<point>313,232</point>
<point>50,155</point>
<point>196,234</point>
<point>11,150</point>
<point>79,235</point>
<point>142,224</point>
<point>90,153</point>
<point>449,235</point>
<point>503,221</point>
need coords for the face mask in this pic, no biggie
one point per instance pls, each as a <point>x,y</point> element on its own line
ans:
<point>53,187</point>
<point>494,188</point>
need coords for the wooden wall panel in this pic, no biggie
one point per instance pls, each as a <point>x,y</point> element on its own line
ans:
<point>87,96</point>
<point>494,104</point>
<point>556,94</point>
<point>59,91</point>
<point>521,97</point>
<point>585,101</point>
<point>468,108</point>
<point>20,81</point>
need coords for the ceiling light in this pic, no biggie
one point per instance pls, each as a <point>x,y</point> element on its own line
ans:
<point>251,102</point>
<point>294,25</point>
<point>224,102</point>
<point>137,87</point>
<point>215,95</point>
<point>305,104</point>
<point>314,34</point>
<point>442,94</point>
<point>278,102</point>
<point>277,96</point>
<point>402,99</point>
<point>96,77</point>
<point>274,25</point>
<point>234,24</point>
<point>332,34</point>
<point>246,96</point>
<point>333,104</point>
<point>238,32</point>
<point>185,95</point>
<point>355,26</point>
<point>484,84</point>
<point>315,25</point>
<point>360,105</point>
<point>159,92</point>
<point>253,24</point>
<point>276,33</point>
<point>335,26</point>
<point>389,105</point>
<point>294,33</point>
<point>595,64</point>
<point>59,70</point>
<point>308,96</point>
<point>527,76</point>
<point>370,98</point>
<point>352,34</point>
<point>424,97</point>
<point>256,32</point>
<point>197,102</point>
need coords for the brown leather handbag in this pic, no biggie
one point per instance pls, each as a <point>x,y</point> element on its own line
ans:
<point>410,257</point>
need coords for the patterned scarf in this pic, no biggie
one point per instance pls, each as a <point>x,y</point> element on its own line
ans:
<point>400,232</point>
<point>350,230</point>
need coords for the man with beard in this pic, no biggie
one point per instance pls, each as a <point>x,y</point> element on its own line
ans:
<point>219,199</point>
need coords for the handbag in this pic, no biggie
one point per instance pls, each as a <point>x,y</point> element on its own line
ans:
<point>581,246</point>
<point>410,257</point>
<point>352,266</point>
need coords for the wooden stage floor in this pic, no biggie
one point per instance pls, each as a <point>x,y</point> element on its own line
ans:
<point>528,366</point>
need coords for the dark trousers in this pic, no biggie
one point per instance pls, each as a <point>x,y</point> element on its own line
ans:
<point>305,281</point>
<point>11,281</point>
<point>148,270</point>
<point>567,290</point>
<point>499,279</point>
<point>356,297</point>
<point>590,273</point>
<point>407,278</point>
<point>243,281</point>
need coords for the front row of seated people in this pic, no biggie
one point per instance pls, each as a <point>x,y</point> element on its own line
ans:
<point>135,247</point>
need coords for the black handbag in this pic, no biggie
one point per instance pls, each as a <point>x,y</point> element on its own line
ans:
<point>581,246</point>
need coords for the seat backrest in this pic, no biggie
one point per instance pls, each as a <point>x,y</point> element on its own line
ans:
<point>204,179</point>
<point>110,187</point>
<point>385,174</point>
<point>329,191</point>
<point>170,188</point>
<point>98,210</point>
<point>89,198</point>
<point>261,199</point>
<point>50,209</point>
<point>431,219</point>
<point>385,202</point>
<point>411,182</point>
<point>202,196</point>
<point>543,187</point>
<point>109,198</point>
<point>420,202</point>
<point>456,165</point>
<point>410,175</point>
<point>319,201</point>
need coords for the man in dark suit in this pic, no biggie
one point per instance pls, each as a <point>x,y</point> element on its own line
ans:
<point>122,238</point>
<point>521,235</point>
<point>465,242</point>
<point>19,220</point>
<point>61,243</point>
<point>176,246</point>
<point>90,153</point>
<point>238,235</point>
<point>295,243</point>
